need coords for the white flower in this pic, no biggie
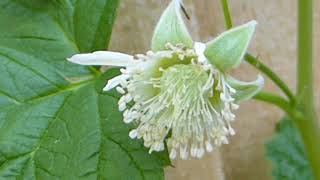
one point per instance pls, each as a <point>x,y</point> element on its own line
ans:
<point>180,95</point>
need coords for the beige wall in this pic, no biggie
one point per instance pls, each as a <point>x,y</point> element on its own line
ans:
<point>274,43</point>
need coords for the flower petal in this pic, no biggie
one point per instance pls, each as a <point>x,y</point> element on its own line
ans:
<point>226,51</point>
<point>171,28</point>
<point>245,90</point>
<point>200,49</point>
<point>105,58</point>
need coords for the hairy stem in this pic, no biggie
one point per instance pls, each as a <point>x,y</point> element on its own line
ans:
<point>309,124</point>
<point>269,73</point>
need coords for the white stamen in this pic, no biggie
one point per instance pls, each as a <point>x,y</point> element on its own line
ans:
<point>133,133</point>
<point>200,153</point>
<point>234,106</point>
<point>224,140</point>
<point>209,147</point>
<point>120,90</point>
<point>112,83</point>
<point>122,106</point>
<point>173,154</point>
<point>231,131</point>
<point>184,153</point>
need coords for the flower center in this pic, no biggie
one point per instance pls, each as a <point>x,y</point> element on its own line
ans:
<point>183,84</point>
<point>187,102</point>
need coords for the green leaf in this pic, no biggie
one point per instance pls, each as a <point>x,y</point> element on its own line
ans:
<point>287,154</point>
<point>227,50</point>
<point>55,122</point>
<point>245,90</point>
<point>171,29</point>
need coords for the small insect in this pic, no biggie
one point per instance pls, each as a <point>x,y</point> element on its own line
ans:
<point>184,11</point>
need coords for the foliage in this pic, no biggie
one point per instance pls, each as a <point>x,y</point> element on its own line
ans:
<point>287,153</point>
<point>55,121</point>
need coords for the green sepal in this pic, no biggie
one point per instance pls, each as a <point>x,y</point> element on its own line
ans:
<point>226,51</point>
<point>245,90</point>
<point>171,29</point>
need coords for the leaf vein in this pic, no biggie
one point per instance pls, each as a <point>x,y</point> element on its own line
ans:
<point>129,155</point>
<point>29,68</point>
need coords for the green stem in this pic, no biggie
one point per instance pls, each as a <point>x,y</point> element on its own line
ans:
<point>254,61</point>
<point>275,100</point>
<point>226,13</point>
<point>280,102</point>
<point>308,125</point>
<point>269,73</point>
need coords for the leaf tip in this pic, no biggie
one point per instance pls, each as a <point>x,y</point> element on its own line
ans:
<point>249,27</point>
<point>252,23</point>
<point>171,28</point>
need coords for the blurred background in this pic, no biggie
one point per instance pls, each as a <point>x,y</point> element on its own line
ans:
<point>274,42</point>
